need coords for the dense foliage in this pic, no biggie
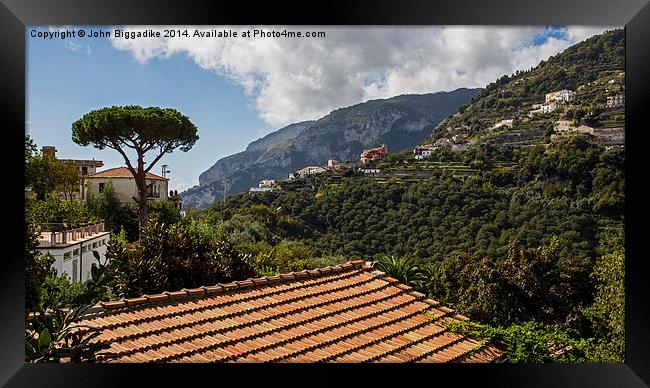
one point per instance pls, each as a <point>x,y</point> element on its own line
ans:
<point>529,342</point>
<point>37,266</point>
<point>515,242</point>
<point>171,258</point>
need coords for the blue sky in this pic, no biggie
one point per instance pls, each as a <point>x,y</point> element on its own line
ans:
<point>63,85</point>
<point>238,91</point>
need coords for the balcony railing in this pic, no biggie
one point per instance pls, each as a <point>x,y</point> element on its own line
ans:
<point>62,233</point>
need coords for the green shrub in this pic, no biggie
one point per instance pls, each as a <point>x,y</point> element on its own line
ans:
<point>528,342</point>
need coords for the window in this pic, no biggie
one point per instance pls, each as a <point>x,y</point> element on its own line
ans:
<point>67,255</point>
<point>75,252</point>
<point>95,244</point>
<point>84,170</point>
<point>101,187</point>
<point>84,249</point>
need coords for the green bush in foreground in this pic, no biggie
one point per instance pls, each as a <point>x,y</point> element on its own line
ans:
<point>528,342</point>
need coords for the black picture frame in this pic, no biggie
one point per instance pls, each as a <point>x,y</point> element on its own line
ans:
<point>15,15</point>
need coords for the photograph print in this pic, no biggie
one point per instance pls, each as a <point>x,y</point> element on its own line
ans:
<point>309,194</point>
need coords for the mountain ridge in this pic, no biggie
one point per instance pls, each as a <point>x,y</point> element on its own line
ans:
<point>401,122</point>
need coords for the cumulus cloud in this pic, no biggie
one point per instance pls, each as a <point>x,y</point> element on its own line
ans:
<point>295,79</point>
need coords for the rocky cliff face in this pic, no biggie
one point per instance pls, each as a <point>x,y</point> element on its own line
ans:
<point>400,122</point>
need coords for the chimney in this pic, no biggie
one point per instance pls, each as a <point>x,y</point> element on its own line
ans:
<point>49,151</point>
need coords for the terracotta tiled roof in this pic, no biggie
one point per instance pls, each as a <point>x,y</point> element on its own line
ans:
<point>123,172</point>
<point>344,313</point>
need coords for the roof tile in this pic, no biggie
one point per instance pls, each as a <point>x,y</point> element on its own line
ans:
<point>342,313</point>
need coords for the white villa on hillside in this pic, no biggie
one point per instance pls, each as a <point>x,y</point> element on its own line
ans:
<point>615,101</point>
<point>124,185</point>
<point>543,108</point>
<point>563,95</point>
<point>424,151</point>
<point>309,170</point>
<point>266,183</point>
<point>72,249</point>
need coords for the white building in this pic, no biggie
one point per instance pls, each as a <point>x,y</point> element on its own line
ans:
<point>424,151</point>
<point>309,170</point>
<point>266,183</point>
<point>72,249</point>
<point>125,187</point>
<point>373,172</point>
<point>548,108</point>
<point>616,101</point>
<point>563,95</point>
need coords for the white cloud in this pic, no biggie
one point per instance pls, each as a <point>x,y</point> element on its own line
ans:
<point>294,79</point>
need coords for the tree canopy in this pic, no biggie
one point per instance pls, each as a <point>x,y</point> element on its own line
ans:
<point>139,129</point>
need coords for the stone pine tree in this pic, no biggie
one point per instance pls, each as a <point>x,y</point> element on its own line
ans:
<point>136,130</point>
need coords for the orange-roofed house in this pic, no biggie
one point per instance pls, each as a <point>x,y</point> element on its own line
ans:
<point>124,184</point>
<point>344,313</point>
<point>374,154</point>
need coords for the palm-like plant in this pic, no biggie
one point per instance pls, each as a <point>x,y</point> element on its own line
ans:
<point>404,270</point>
<point>56,337</point>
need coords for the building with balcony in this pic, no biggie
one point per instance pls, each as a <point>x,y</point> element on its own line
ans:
<point>72,247</point>
<point>125,187</point>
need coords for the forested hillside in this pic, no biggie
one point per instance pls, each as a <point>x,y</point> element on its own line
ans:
<point>506,245</point>
<point>586,68</point>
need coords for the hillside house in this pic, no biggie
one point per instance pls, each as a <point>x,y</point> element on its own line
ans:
<point>371,172</point>
<point>72,248</point>
<point>563,95</point>
<point>615,101</point>
<point>374,154</point>
<point>266,183</point>
<point>423,151</point>
<point>125,187</point>
<point>443,142</point>
<point>309,170</point>
<point>544,108</point>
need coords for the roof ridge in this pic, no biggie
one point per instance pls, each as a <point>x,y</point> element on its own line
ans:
<point>220,288</point>
<point>149,173</point>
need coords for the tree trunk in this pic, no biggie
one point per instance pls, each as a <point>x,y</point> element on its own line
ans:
<point>141,183</point>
